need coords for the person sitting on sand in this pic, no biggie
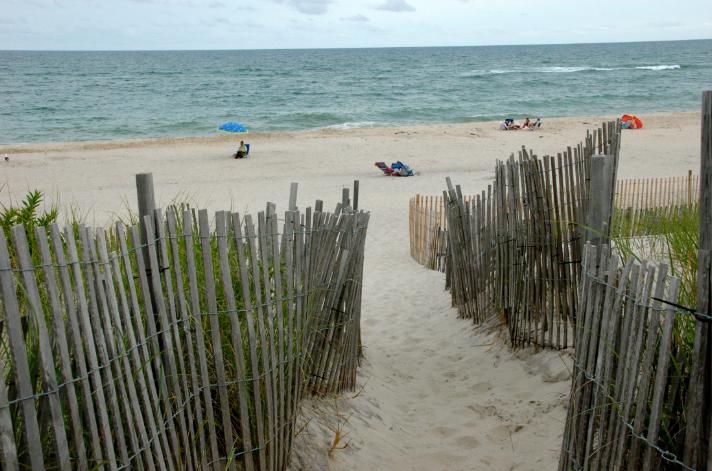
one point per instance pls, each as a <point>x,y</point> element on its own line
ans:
<point>509,125</point>
<point>242,151</point>
<point>527,123</point>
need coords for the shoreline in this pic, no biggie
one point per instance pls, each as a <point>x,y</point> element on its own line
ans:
<point>220,138</point>
<point>97,178</point>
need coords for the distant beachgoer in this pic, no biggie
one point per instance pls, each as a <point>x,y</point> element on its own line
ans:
<point>509,122</point>
<point>242,151</point>
<point>527,123</point>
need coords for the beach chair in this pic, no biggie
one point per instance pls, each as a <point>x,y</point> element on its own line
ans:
<point>386,169</point>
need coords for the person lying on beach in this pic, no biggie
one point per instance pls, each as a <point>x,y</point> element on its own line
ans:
<point>531,125</point>
<point>242,151</point>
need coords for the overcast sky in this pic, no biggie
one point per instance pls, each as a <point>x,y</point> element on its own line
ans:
<point>267,24</point>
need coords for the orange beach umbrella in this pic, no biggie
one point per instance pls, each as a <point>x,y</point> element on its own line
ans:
<point>635,122</point>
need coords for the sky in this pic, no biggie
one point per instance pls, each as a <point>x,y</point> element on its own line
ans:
<point>278,24</point>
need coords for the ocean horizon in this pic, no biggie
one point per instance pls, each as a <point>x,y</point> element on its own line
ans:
<point>96,95</point>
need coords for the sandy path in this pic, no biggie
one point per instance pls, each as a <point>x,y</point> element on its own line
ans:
<point>437,394</point>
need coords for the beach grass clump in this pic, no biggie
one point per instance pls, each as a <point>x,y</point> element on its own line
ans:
<point>28,213</point>
<point>668,235</point>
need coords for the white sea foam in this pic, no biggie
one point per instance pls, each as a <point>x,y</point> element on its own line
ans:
<point>659,67</point>
<point>565,70</point>
<point>353,125</point>
<point>561,70</point>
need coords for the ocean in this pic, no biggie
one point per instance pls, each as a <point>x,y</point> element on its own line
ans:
<point>76,96</point>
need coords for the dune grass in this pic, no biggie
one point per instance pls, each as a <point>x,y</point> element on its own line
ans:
<point>671,236</point>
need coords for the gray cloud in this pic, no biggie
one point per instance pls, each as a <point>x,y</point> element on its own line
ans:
<point>308,7</point>
<point>357,18</point>
<point>395,5</point>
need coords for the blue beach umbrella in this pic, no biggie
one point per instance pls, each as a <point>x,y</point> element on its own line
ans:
<point>232,126</point>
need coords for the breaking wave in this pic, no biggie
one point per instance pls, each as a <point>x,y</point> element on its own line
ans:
<point>566,70</point>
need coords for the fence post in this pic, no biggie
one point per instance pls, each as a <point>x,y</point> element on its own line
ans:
<point>146,207</point>
<point>146,197</point>
<point>699,407</point>
<point>600,208</point>
<point>345,198</point>
<point>355,205</point>
<point>293,188</point>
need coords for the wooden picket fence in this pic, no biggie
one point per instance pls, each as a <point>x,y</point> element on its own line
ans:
<point>642,388</point>
<point>625,383</point>
<point>634,199</point>
<point>514,250</point>
<point>427,226</point>
<point>653,193</point>
<point>190,349</point>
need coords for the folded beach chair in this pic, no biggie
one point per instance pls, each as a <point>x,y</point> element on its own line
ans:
<point>386,169</point>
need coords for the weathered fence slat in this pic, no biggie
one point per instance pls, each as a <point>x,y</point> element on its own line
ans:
<point>196,311</point>
<point>139,354</point>
<point>252,341</point>
<point>120,352</point>
<point>236,337</point>
<point>49,378</point>
<point>62,347</point>
<point>77,344</point>
<point>192,381</point>
<point>19,358</point>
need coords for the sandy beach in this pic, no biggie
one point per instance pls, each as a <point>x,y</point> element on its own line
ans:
<point>434,393</point>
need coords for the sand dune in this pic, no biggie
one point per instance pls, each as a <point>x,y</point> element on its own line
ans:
<point>434,393</point>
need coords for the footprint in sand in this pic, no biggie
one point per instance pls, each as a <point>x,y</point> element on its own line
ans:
<point>450,375</point>
<point>483,411</point>
<point>482,387</point>
<point>467,442</point>
<point>443,430</point>
<point>503,432</point>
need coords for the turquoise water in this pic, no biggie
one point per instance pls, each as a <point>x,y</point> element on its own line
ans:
<point>66,96</point>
